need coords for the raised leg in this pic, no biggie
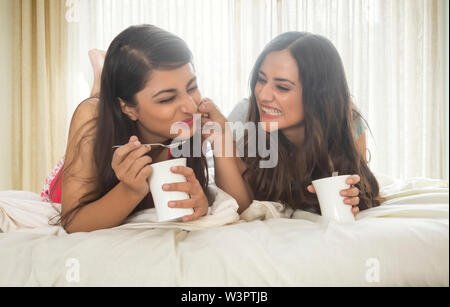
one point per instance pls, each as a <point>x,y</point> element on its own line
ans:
<point>97,58</point>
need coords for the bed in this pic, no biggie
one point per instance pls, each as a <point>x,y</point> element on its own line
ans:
<point>404,242</point>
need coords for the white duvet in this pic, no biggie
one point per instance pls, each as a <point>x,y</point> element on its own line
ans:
<point>404,242</point>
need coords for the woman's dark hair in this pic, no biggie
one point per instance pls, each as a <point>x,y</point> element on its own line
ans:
<point>129,62</point>
<point>329,142</point>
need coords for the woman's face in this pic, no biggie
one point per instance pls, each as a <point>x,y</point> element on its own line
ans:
<point>170,96</point>
<point>278,92</point>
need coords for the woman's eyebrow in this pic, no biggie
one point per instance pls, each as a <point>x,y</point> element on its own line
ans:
<point>191,81</point>
<point>278,79</point>
<point>171,90</point>
<point>284,80</point>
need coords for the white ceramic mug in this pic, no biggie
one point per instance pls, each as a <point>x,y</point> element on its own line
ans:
<point>160,176</point>
<point>331,202</point>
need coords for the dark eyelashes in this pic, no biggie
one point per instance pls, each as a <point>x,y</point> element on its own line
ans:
<point>173,98</point>
<point>167,100</point>
<point>260,80</point>
<point>284,89</point>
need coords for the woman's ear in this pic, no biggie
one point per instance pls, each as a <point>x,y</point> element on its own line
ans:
<point>131,112</point>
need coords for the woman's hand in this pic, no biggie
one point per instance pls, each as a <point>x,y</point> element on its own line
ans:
<point>132,166</point>
<point>198,200</point>
<point>212,117</point>
<point>351,195</point>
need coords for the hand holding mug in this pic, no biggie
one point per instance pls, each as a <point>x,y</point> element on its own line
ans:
<point>351,194</point>
<point>197,201</point>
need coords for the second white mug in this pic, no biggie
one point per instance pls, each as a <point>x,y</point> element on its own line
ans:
<point>330,200</point>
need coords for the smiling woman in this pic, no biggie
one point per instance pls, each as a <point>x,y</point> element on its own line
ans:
<point>147,84</point>
<point>163,102</point>
<point>298,83</point>
<point>277,86</point>
<point>301,76</point>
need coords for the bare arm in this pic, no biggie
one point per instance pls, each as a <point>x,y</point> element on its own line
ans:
<point>228,177</point>
<point>228,169</point>
<point>111,209</point>
<point>107,212</point>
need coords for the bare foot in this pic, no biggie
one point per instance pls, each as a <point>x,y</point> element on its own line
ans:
<point>97,58</point>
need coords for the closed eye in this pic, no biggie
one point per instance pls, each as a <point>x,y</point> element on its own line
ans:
<point>193,89</point>
<point>282,88</point>
<point>261,80</point>
<point>167,100</point>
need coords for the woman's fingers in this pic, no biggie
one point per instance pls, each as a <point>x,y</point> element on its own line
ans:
<point>198,201</point>
<point>352,192</point>
<point>353,201</point>
<point>353,179</point>
<point>192,186</point>
<point>144,173</point>
<point>134,156</point>
<point>178,186</point>
<point>210,124</point>
<point>185,171</point>
<point>139,164</point>
<point>130,162</point>
<point>209,109</point>
<point>185,203</point>
<point>194,203</point>
<point>198,212</point>
<point>122,152</point>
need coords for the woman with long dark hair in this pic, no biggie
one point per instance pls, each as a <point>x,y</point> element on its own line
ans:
<point>148,83</point>
<point>299,83</point>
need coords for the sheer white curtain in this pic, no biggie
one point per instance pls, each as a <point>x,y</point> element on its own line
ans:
<point>208,26</point>
<point>393,52</point>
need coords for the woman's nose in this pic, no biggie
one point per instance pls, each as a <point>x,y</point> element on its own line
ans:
<point>266,93</point>
<point>188,105</point>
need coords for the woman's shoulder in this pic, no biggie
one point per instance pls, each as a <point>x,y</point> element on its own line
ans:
<point>87,108</point>
<point>239,112</point>
<point>82,130</point>
<point>85,112</point>
<point>359,122</point>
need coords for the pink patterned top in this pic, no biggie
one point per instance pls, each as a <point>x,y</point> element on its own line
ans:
<point>51,180</point>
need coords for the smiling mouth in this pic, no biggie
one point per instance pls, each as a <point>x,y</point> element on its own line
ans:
<point>271,111</point>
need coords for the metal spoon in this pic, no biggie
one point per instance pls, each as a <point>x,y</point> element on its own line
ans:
<point>170,146</point>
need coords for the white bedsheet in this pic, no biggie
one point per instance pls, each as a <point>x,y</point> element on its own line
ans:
<point>405,241</point>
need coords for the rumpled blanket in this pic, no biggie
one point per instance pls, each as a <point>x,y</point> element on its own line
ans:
<point>403,242</point>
